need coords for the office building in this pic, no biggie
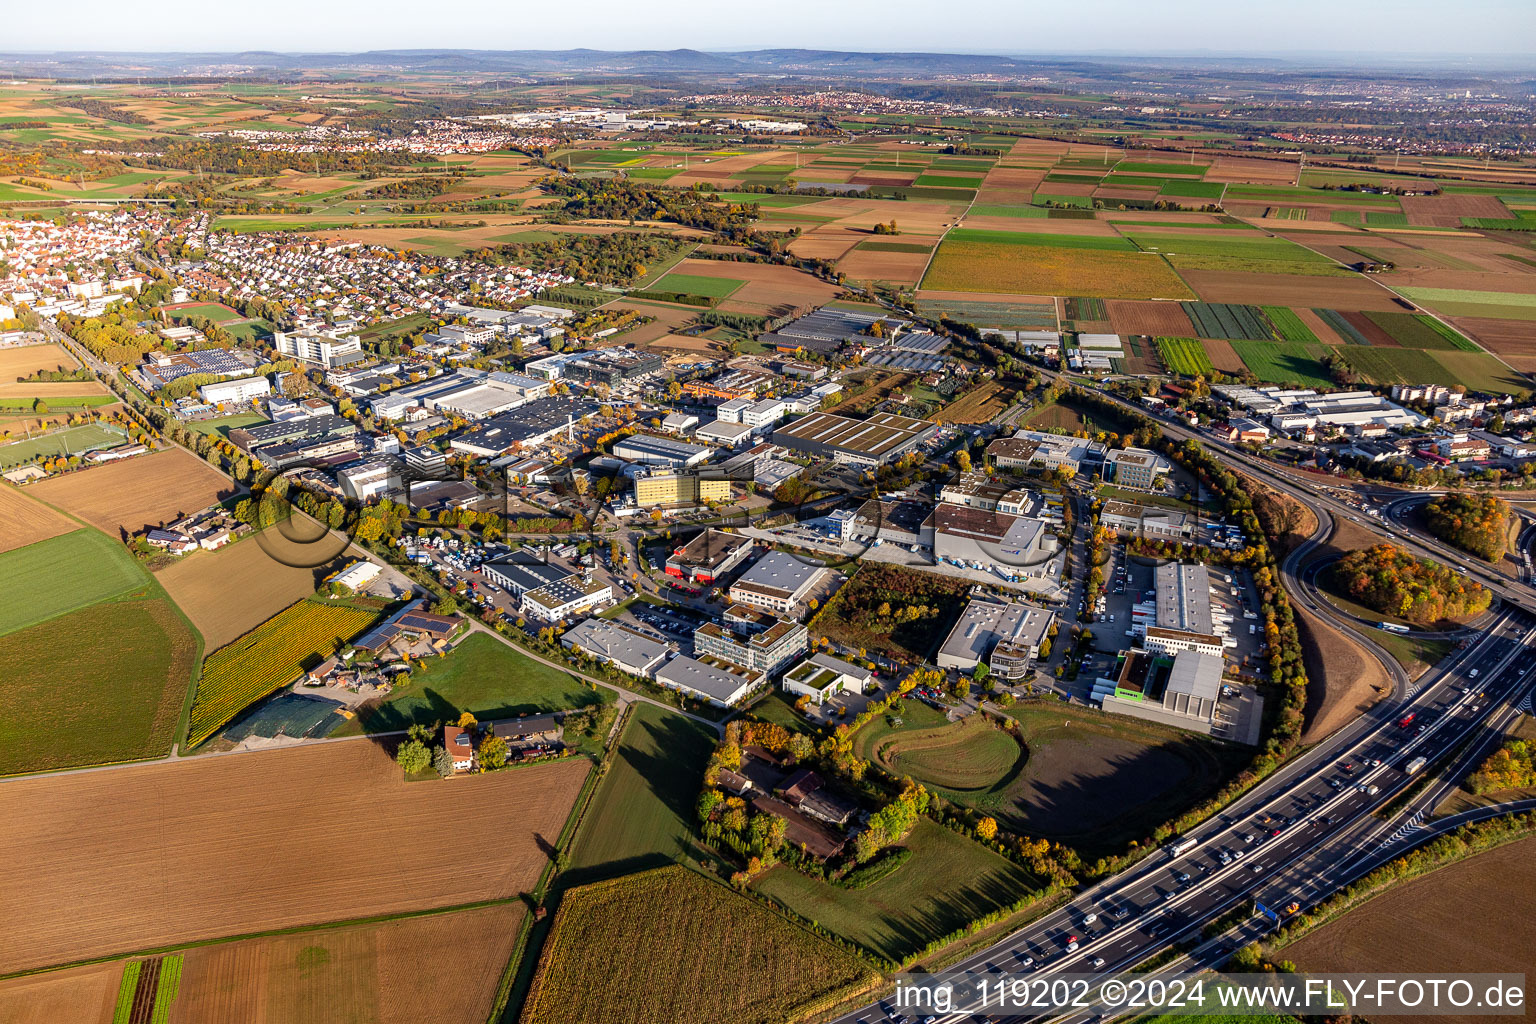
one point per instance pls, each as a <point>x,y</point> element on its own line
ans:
<point>1005,635</point>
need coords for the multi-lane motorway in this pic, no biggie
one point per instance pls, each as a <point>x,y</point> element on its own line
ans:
<point>1302,834</point>
<point>1315,825</point>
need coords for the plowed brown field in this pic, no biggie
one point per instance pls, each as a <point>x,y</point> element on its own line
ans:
<point>29,359</point>
<point>80,995</point>
<point>229,592</point>
<point>1222,356</point>
<point>26,521</point>
<point>1436,924</point>
<point>445,967</point>
<point>1158,319</point>
<point>1511,340</point>
<point>137,493</point>
<point>154,855</point>
<point>1290,290</point>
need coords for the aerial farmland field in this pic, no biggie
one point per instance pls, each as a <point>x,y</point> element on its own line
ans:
<point>270,656</point>
<point>23,361</point>
<point>128,665</point>
<point>133,494</point>
<point>588,971</point>
<point>28,521</point>
<point>229,592</point>
<point>443,966</point>
<point>1046,270</point>
<point>166,854</point>
<point>62,574</point>
<point>1184,356</point>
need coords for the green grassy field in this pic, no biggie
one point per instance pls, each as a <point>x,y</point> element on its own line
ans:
<point>56,402</point>
<point>643,813</point>
<point>215,311</point>
<point>1481,372</point>
<point>1282,363</point>
<point>98,685</point>
<point>1184,355</point>
<point>1023,212</point>
<point>1394,365</point>
<point>948,882</point>
<point>1420,331</point>
<point>69,441</point>
<point>1109,242</point>
<point>695,284</point>
<point>483,676</point>
<point>62,574</point>
<point>1289,326</point>
<point>1466,302</point>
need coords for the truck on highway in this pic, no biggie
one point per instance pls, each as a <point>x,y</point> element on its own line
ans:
<point>1183,845</point>
<point>1413,766</point>
<point>1392,627</point>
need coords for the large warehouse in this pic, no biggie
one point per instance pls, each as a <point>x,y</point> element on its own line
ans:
<point>876,441</point>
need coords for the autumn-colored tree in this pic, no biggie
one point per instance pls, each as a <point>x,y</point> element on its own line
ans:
<point>986,829</point>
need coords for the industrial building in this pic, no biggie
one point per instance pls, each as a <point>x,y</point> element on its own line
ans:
<point>615,644</point>
<point>778,582</point>
<point>708,556</point>
<point>528,425</point>
<point>1147,521</point>
<point>564,598</point>
<point>761,644</point>
<point>319,349</point>
<point>255,438</point>
<point>905,523</point>
<point>1017,546</point>
<point>611,366</point>
<point>821,676</point>
<point>365,481</point>
<point>1291,411</point>
<point>718,684</point>
<point>1184,597</point>
<point>880,439</point>
<point>660,451</point>
<point>732,435</point>
<point>236,391</point>
<point>1036,449</point>
<point>522,571</point>
<point>1005,635</point>
<point>471,394</point>
<point>1181,691</point>
<point>1135,467</point>
<point>680,489</point>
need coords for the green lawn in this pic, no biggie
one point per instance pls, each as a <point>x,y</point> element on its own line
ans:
<point>215,311</point>
<point>483,676</point>
<point>948,882</point>
<point>643,814</point>
<point>62,574</point>
<point>97,685</point>
<point>1409,650</point>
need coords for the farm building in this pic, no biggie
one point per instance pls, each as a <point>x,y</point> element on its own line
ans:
<point>357,575</point>
<point>410,623</point>
<point>460,746</point>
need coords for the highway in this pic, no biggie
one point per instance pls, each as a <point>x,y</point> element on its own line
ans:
<point>1302,834</point>
<point>1310,828</point>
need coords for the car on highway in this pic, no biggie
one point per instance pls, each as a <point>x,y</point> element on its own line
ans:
<point>1071,943</point>
<point>1024,959</point>
<point>1097,962</point>
<point>1407,720</point>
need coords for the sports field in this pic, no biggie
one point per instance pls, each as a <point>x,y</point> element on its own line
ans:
<point>62,574</point>
<point>484,676</point>
<point>98,685</point>
<point>167,854</point>
<point>69,441</point>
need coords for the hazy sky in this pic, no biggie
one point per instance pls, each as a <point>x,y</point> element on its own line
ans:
<point>971,26</point>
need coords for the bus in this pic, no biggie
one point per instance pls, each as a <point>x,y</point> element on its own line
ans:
<point>1392,627</point>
